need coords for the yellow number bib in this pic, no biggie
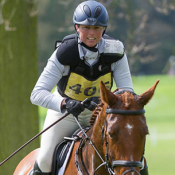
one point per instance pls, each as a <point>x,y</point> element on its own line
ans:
<point>79,88</point>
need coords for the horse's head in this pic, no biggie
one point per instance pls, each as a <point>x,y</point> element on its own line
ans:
<point>125,129</point>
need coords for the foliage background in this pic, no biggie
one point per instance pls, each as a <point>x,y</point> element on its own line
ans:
<point>145,27</point>
<point>18,74</point>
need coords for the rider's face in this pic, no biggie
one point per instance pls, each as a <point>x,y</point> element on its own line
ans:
<point>90,35</point>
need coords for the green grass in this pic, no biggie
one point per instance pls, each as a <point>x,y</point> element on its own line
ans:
<point>160,108</point>
<point>160,114</point>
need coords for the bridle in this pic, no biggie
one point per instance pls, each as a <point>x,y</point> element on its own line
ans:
<point>118,163</point>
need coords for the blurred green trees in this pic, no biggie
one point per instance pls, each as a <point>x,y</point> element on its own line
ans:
<point>145,27</point>
<point>18,74</point>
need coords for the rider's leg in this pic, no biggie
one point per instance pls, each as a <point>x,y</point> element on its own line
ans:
<point>144,171</point>
<point>55,135</point>
<point>52,137</point>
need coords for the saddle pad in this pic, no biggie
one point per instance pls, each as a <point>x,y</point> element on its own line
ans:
<point>60,155</point>
<point>62,150</point>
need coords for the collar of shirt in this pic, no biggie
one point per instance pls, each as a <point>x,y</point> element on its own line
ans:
<point>90,55</point>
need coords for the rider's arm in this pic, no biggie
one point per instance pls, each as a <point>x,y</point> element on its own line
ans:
<point>41,94</point>
<point>122,75</point>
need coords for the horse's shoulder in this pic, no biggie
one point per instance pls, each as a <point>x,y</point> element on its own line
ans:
<point>27,163</point>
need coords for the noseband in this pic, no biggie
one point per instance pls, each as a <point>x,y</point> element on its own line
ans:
<point>131,164</point>
<point>122,163</point>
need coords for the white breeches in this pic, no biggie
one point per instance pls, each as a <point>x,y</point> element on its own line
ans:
<point>55,135</point>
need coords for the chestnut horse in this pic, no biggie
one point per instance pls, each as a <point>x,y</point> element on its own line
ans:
<point>118,135</point>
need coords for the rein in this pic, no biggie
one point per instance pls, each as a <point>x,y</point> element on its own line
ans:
<point>79,150</point>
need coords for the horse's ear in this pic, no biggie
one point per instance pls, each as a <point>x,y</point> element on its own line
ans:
<point>106,95</point>
<point>147,95</point>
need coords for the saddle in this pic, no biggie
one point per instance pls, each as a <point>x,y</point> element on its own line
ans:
<point>63,151</point>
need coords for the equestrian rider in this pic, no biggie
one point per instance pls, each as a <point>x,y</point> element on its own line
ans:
<point>77,66</point>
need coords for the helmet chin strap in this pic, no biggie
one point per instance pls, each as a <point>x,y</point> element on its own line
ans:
<point>93,49</point>
<point>76,29</point>
<point>104,30</point>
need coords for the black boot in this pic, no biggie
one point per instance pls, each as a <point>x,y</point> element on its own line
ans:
<point>144,171</point>
<point>37,171</point>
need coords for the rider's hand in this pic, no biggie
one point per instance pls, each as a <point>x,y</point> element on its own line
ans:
<point>91,103</point>
<point>74,107</point>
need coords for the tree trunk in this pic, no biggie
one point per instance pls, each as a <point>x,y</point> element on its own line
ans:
<point>18,75</point>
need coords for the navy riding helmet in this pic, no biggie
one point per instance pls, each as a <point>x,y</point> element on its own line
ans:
<point>91,13</point>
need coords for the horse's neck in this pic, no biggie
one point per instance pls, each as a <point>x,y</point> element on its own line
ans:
<point>91,159</point>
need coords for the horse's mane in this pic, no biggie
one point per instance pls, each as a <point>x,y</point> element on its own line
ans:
<point>97,110</point>
<point>96,113</point>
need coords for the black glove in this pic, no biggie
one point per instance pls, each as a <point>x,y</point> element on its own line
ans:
<point>91,103</point>
<point>74,107</point>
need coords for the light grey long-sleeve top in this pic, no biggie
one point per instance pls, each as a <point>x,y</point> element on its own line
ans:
<point>54,70</point>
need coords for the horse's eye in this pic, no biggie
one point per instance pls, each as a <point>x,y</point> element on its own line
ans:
<point>113,132</point>
<point>111,135</point>
<point>113,127</point>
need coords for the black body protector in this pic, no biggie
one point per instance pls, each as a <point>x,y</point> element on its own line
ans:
<point>83,80</point>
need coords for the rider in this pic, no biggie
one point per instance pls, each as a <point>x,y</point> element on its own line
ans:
<point>77,66</point>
